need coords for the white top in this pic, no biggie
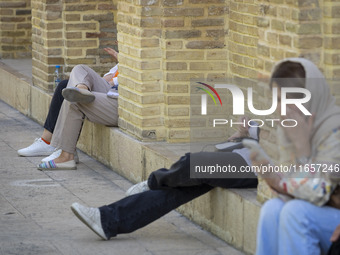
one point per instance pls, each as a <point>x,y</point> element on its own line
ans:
<point>112,92</point>
<point>113,71</point>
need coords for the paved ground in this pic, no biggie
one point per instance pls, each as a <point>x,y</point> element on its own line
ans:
<point>35,215</point>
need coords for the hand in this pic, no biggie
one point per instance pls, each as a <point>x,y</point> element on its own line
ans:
<point>108,78</point>
<point>336,234</point>
<point>271,178</point>
<point>242,130</point>
<point>257,163</point>
<point>301,134</point>
<point>112,53</point>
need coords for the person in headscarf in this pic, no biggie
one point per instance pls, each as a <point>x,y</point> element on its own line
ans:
<point>303,218</point>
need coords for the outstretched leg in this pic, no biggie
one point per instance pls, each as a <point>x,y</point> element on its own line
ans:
<point>136,211</point>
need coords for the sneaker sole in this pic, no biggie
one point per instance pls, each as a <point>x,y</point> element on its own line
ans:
<point>81,218</point>
<point>77,96</point>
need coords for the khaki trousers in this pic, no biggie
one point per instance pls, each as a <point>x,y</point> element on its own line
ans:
<point>102,110</point>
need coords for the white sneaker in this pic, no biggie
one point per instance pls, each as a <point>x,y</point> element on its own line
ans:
<point>137,188</point>
<point>57,153</point>
<point>38,148</point>
<point>90,217</point>
<point>53,156</point>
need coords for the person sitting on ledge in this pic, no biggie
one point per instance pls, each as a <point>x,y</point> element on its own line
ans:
<point>76,90</point>
<point>167,189</point>
<point>302,219</point>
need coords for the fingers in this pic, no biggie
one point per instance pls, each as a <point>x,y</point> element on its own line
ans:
<point>243,129</point>
<point>112,53</point>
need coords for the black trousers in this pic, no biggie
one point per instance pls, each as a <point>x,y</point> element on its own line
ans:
<point>55,106</point>
<point>335,248</point>
<point>168,190</point>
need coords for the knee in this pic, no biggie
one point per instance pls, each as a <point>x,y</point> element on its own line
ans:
<point>271,210</point>
<point>79,67</point>
<point>294,212</point>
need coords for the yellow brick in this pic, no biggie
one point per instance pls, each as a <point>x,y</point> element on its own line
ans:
<point>178,111</point>
<point>178,100</point>
<point>174,45</point>
<point>209,65</point>
<point>177,88</point>
<point>184,55</point>
<point>180,77</point>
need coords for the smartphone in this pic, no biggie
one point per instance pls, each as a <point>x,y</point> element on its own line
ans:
<point>253,145</point>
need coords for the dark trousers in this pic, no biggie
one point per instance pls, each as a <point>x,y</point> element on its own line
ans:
<point>55,106</point>
<point>335,248</point>
<point>168,190</point>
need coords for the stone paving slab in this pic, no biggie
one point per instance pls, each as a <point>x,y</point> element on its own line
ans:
<point>35,215</point>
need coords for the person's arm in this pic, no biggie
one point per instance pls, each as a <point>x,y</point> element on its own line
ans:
<point>112,53</point>
<point>300,137</point>
<point>272,179</point>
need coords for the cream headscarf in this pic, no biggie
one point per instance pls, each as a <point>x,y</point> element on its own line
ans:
<point>322,105</point>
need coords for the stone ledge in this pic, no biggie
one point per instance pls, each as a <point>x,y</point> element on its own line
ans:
<point>229,214</point>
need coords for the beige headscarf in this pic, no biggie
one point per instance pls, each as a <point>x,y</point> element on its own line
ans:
<point>322,105</point>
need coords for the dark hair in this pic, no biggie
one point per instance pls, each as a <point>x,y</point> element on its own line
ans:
<point>289,69</point>
<point>289,74</point>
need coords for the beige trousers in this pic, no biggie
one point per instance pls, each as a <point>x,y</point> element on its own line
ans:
<point>102,110</point>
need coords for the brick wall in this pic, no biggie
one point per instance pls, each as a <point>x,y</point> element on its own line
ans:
<point>88,27</point>
<point>141,93</point>
<point>194,47</point>
<point>163,44</point>
<point>68,33</point>
<point>331,36</point>
<point>15,28</point>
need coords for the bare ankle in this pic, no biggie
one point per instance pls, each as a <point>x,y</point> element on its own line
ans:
<point>82,86</point>
<point>64,157</point>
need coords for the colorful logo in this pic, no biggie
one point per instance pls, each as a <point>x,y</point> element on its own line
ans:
<point>204,97</point>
